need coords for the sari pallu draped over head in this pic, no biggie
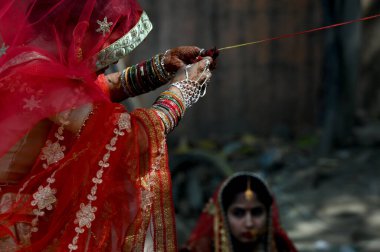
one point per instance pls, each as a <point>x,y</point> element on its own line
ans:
<point>212,232</point>
<point>96,189</point>
<point>50,51</point>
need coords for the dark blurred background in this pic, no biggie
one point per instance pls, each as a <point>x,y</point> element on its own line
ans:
<point>303,111</point>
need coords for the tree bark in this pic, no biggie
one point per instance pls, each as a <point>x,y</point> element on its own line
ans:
<point>340,76</point>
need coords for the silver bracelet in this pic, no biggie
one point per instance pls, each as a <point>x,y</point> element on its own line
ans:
<point>192,90</point>
<point>167,73</point>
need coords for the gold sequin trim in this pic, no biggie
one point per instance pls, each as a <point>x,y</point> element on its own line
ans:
<point>125,44</point>
<point>159,179</point>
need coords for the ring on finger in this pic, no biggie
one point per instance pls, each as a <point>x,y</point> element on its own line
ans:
<point>186,72</point>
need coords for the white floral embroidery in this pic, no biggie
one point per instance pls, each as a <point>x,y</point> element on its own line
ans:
<point>31,103</point>
<point>3,49</point>
<point>52,152</point>
<point>104,26</point>
<point>14,83</point>
<point>86,214</point>
<point>44,198</point>
<point>125,122</point>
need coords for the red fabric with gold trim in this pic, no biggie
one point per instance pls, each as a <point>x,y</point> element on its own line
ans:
<point>48,53</point>
<point>48,57</point>
<point>103,193</point>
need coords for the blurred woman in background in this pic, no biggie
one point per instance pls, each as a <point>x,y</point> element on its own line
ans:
<point>241,216</point>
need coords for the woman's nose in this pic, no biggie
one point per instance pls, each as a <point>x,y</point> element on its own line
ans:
<point>248,221</point>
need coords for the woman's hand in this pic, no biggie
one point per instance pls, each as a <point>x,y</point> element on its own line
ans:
<point>187,86</point>
<point>176,58</point>
<point>199,71</point>
<point>190,82</point>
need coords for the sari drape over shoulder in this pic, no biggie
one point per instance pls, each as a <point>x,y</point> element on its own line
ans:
<point>97,188</point>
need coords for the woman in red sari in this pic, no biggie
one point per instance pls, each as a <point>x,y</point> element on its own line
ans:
<point>241,216</point>
<point>78,172</point>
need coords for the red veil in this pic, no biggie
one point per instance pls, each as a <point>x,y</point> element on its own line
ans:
<point>49,54</point>
<point>97,189</point>
<point>211,232</point>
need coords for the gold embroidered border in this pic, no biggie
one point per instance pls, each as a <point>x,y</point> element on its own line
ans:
<point>159,176</point>
<point>163,215</point>
<point>125,44</point>
<point>168,241</point>
<point>157,207</point>
<point>136,233</point>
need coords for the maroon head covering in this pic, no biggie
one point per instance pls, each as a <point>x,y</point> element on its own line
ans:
<point>212,231</point>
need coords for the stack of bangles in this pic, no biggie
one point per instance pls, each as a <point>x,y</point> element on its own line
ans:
<point>145,76</point>
<point>170,108</point>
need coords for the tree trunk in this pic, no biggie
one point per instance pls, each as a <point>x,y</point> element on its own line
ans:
<point>340,77</point>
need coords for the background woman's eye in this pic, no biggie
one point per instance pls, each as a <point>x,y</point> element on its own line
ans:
<point>238,212</point>
<point>257,211</point>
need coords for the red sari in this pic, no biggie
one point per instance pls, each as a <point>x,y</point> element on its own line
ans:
<point>211,232</point>
<point>94,189</point>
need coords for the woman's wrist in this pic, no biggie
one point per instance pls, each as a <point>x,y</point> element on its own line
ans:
<point>170,108</point>
<point>164,64</point>
<point>192,90</point>
<point>144,77</point>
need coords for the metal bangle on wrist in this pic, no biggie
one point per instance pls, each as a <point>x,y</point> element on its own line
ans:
<point>168,74</point>
<point>192,90</point>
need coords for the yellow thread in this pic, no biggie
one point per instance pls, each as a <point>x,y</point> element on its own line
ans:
<point>240,45</point>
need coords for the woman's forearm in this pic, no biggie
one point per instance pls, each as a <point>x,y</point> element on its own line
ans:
<point>137,79</point>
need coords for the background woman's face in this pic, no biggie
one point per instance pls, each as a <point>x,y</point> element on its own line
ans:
<point>247,218</point>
